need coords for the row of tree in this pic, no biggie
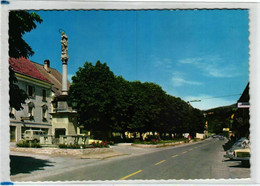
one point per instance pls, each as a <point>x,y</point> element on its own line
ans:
<point>106,102</point>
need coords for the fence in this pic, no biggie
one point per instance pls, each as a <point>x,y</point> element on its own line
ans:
<point>64,139</point>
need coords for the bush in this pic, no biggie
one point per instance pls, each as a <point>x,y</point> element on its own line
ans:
<point>118,139</point>
<point>153,141</point>
<point>72,146</point>
<point>156,141</point>
<point>23,144</point>
<point>93,145</point>
<point>35,145</point>
<point>100,145</point>
<point>111,143</point>
<point>62,146</point>
<point>196,139</point>
<point>28,144</point>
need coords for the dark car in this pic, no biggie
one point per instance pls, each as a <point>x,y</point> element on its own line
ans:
<point>221,137</point>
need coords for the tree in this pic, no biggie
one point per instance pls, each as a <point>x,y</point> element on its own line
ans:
<point>123,106</point>
<point>19,23</point>
<point>93,88</point>
<point>219,118</point>
<point>108,102</point>
<point>196,122</point>
<point>17,95</point>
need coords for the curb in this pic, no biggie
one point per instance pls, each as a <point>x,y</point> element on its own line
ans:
<point>63,152</point>
<point>102,156</point>
<point>162,145</point>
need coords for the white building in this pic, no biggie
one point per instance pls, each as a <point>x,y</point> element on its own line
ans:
<point>42,84</point>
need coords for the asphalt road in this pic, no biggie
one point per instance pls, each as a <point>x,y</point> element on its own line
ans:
<point>194,161</point>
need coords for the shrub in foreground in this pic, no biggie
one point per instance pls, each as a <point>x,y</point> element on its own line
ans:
<point>27,144</point>
<point>93,145</point>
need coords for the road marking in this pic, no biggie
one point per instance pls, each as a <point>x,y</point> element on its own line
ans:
<point>160,162</point>
<point>175,155</point>
<point>131,175</point>
<point>184,152</point>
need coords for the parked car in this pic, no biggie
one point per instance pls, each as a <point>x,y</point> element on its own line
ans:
<point>221,137</point>
<point>242,155</point>
<point>33,135</point>
<point>241,143</point>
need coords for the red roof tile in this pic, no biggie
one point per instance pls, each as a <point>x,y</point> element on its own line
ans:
<point>25,66</point>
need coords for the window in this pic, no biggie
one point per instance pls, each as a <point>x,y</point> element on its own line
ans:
<point>30,110</point>
<point>30,91</point>
<point>44,95</point>
<point>44,112</point>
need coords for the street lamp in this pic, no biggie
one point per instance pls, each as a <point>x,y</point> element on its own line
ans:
<point>195,100</point>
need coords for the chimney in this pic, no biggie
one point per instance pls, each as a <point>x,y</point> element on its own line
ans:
<point>47,65</point>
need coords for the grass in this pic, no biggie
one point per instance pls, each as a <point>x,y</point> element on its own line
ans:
<point>157,142</point>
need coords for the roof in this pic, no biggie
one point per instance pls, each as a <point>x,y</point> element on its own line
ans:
<point>245,96</point>
<point>54,76</point>
<point>25,66</point>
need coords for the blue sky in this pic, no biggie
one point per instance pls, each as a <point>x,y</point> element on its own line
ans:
<point>191,54</point>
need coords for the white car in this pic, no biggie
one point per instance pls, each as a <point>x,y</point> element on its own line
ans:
<point>33,135</point>
<point>241,143</point>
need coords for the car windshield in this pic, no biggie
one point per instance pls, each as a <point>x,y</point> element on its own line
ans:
<point>238,143</point>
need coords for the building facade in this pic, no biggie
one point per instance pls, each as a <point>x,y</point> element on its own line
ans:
<point>35,112</point>
<point>43,85</point>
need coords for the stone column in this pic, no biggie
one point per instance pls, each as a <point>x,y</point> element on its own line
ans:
<point>64,78</point>
<point>64,58</point>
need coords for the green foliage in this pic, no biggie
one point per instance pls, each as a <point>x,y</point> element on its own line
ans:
<point>28,144</point>
<point>23,144</point>
<point>17,95</point>
<point>100,145</point>
<point>240,126</point>
<point>93,89</point>
<point>219,118</point>
<point>71,146</point>
<point>156,141</point>
<point>110,103</point>
<point>35,145</point>
<point>62,146</point>
<point>20,21</point>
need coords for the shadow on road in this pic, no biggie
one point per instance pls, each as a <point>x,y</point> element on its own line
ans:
<point>227,160</point>
<point>22,164</point>
<point>241,165</point>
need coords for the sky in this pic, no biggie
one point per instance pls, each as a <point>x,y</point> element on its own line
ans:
<point>191,54</point>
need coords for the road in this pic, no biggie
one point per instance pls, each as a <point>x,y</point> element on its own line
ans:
<point>194,161</point>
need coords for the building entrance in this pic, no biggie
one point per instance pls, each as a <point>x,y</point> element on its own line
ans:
<point>59,132</point>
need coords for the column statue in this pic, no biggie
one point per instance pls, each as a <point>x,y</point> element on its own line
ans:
<point>64,47</point>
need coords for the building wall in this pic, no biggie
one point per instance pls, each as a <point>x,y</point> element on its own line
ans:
<point>18,126</point>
